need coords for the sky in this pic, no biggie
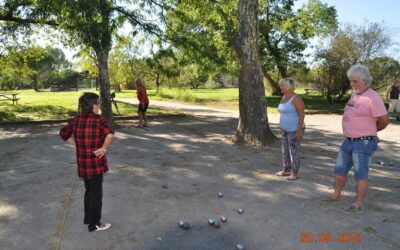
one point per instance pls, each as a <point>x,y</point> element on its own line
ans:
<point>359,12</point>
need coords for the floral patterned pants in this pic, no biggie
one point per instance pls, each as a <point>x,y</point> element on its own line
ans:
<point>290,152</point>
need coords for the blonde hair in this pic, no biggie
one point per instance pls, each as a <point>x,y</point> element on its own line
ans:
<point>288,82</point>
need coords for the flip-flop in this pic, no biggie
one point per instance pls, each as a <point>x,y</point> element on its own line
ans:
<point>352,209</point>
<point>283,173</point>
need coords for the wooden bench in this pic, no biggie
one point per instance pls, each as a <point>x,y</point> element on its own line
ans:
<point>310,90</point>
<point>9,97</point>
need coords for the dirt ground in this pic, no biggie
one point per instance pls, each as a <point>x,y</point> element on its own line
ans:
<point>41,199</point>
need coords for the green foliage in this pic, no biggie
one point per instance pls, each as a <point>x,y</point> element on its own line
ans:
<point>285,33</point>
<point>348,46</point>
<point>383,70</point>
<point>32,65</point>
<point>204,32</point>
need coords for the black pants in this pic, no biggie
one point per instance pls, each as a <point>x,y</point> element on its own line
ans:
<point>93,201</point>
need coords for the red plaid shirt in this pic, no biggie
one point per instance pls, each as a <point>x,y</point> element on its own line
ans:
<point>89,132</point>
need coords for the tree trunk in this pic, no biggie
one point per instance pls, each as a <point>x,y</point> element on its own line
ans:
<point>157,83</point>
<point>35,82</point>
<point>253,127</point>
<point>275,86</point>
<point>104,79</point>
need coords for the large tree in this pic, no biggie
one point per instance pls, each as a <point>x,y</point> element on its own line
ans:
<point>285,33</point>
<point>253,127</point>
<point>205,29</point>
<point>90,24</point>
<point>350,45</point>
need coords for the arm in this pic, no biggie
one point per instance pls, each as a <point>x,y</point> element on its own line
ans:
<point>299,106</point>
<point>71,141</point>
<point>102,151</point>
<point>382,122</point>
<point>388,92</point>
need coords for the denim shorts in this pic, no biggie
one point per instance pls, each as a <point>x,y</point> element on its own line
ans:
<point>357,154</point>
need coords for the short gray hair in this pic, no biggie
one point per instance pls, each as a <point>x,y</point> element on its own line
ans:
<point>288,82</point>
<point>362,71</point>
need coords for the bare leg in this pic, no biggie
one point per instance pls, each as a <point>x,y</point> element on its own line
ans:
<point>144,118</point>
<point>140,118</point>
<point>340,182</point>
<point>361,189</point>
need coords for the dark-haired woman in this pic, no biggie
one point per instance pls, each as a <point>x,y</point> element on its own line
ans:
<point>91,135</point>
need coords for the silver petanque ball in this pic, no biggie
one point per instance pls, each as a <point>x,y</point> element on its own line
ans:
<point>240,211</point>
<point>211,221</point>
<point>391,163</point>
<point>240,246</point>
<point>186,226</point>
<point>217,224</point>
<point>220,195</point>
<point>224,219</point>
<point>164,185</point>
<point>181,222</point>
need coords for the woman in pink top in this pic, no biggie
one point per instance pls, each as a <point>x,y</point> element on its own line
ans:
<point>364,115</point>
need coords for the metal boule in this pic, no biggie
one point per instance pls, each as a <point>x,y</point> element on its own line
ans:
<point>217,224</point>
<point>186,226</point>
<point>391,163</point>
<point>164,185</point>
<point>220,195</point>
<point>378,161</point>
<point>240,246</point>
<point>181,222</point>
<point>240,211</point>
<point>224,219</point>
<point>382,163</point>
<point>211,221</point>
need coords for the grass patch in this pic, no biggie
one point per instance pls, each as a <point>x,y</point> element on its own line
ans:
<point>46,105</point>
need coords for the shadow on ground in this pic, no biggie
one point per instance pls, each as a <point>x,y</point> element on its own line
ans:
<point>196,158</point>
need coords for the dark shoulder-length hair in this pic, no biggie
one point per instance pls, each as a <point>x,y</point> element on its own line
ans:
<point>87,100</point>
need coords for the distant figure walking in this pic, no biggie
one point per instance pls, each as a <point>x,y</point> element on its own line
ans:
<point>291,121</point>
<point>392,95</point>
<point>143,102</point>
<point>91,135</point>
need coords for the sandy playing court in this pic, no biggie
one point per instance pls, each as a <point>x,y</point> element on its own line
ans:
<point>195,157</point>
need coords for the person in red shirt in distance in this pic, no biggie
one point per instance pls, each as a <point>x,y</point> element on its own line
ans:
<point>91,135</point>
<point>143,102</point>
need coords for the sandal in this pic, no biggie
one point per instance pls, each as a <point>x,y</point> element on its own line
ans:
<point>352,209</point>
<point>293,177</point>
<point>283,173</point>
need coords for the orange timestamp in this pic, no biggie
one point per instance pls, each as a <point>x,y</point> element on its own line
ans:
<point>328,237</point>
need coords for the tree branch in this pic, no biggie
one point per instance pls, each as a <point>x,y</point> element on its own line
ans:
<point>8,18</point>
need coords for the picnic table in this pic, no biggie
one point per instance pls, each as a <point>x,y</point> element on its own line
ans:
<point>310,90</point>
<point>9,97</point>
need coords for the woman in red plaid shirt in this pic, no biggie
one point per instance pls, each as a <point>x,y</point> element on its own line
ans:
<point>92,135</point>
